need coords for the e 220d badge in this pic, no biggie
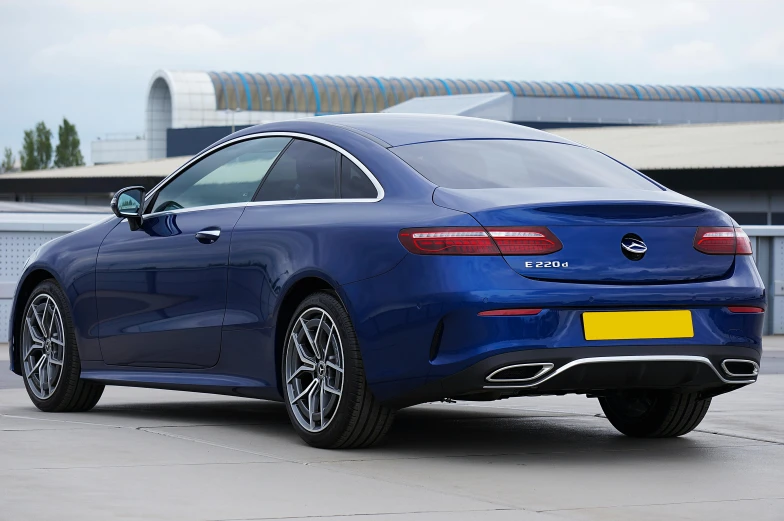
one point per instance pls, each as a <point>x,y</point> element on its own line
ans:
<point>547,264</point>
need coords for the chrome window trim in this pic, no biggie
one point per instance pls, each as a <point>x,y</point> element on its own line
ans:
<point>294,135</point>
<point>610,359</point>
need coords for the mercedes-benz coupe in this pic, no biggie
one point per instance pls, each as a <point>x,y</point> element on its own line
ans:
<point>353,265</point>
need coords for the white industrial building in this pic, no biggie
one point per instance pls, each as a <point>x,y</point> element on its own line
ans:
<point>188,110</point>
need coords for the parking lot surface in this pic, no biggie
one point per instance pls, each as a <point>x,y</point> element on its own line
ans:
<point>148,454</point>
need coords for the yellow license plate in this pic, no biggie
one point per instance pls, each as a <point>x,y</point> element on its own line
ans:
<point>634,325</point>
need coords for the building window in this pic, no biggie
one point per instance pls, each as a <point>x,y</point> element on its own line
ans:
<point>751,218</point>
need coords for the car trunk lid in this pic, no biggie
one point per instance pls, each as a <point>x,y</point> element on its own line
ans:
<point>592,223</point>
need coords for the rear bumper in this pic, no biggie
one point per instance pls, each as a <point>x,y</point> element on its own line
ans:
<point>419,323</point>
<point>596,370</point>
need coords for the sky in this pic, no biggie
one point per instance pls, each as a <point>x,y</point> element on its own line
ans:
<point>91,60</point>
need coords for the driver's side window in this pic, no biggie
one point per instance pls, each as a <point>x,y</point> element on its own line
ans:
<point>230,175</point>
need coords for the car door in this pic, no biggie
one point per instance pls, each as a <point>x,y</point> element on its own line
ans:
<point>161,289</point>
<point>282,230</point>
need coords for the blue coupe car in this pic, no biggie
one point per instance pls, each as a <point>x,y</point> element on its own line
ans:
<point>354,265</point>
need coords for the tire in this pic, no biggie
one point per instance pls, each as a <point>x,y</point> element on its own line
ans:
<point>59,388</point>
<point>654,414</point>
<point>352,419</point>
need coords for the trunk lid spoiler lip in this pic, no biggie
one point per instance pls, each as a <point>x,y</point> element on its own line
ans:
<point>572,206</point>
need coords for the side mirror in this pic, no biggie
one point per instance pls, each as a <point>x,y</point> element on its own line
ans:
<point>129,203</point>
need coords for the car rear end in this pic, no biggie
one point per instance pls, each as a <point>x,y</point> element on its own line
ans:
<point>579,275</point>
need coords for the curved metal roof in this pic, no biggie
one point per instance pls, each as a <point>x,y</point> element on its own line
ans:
<point>350,94</point>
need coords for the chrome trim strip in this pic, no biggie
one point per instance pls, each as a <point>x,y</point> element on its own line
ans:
<point>612,359</point>
<point>545,367</point>
<point>298,135</point>
<point>754,364</point>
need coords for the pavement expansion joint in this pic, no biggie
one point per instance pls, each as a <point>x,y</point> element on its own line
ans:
<point>669,503</point>
<point>375,514</point>
<point>741,437</point>
<point>219,445</point>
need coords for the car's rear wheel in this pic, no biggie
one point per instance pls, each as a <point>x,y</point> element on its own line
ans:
<point>324,386</point>
<point>654,414</point>
<point>49,354</point>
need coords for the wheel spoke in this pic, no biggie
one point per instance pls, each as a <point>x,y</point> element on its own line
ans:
<point>310,338</point>
<point>335,367</point>
<point>55,362</point>
<point>38,320</point>
<point>331,390</point>
<point>329,341</point>
<point>35,336</point>
<point>36,366</point>
<point>57,341</point>
<point>30,350</point>
<point>304,392</point>
<point>41,376</point>
<point>301,369</point>
<point>311,396</point>
<point>304,358</point>
<point>51,321</point>
<point>321,402</point>
<point>318,328</point>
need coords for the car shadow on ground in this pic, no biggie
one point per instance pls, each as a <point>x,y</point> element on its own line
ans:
<point>425,431</point>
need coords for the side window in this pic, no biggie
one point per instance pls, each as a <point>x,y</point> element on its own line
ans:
<point>230,175</point>
<point>354,184</point>
<point>306,170</point>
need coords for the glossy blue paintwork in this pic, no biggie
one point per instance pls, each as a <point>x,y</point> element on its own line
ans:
<point>161,294</point>
<point>174,313</point>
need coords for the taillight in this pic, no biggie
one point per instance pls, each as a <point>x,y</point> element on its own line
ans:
<point>448,241</point>
<point>531,240</point>
<point>745,309</point>
<point>519,312</point>
<point>722,240</point>
<point>743,246</point>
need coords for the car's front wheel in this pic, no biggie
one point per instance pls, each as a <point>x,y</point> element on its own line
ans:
<point>324,386</point>
<point>654,414</point>
<point>49,355</point>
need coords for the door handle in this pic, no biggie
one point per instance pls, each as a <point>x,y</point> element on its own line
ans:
<point>208,235</point>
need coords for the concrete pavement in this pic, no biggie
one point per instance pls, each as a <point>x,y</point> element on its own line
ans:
<point>147,454</point>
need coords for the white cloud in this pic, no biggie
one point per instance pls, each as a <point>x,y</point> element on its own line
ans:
<point>769,49</point>
<point>693,57</point>
<point>91,60</point>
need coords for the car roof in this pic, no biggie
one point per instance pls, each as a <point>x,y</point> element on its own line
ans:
<point>404,129</point>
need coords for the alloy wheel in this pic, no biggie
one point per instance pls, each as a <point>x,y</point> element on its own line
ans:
<point>314,366</point>
<point>43,346</point>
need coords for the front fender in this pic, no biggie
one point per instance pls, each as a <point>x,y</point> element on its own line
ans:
<point>70,260</point>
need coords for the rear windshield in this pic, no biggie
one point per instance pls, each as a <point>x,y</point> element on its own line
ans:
<point>517,164</point>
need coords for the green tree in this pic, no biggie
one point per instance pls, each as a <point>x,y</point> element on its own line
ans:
<point>27,156</point>
<point>67,152</point>
<point>8,160</point>
<point>36,153</point>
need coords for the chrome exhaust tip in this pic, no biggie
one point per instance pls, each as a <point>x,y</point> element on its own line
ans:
<point>520,373</point>
<point>740,368</point>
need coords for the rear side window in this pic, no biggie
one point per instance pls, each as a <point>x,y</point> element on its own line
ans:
<point>354,184</point>
<point>517,164</point>
<point>306,170</point>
